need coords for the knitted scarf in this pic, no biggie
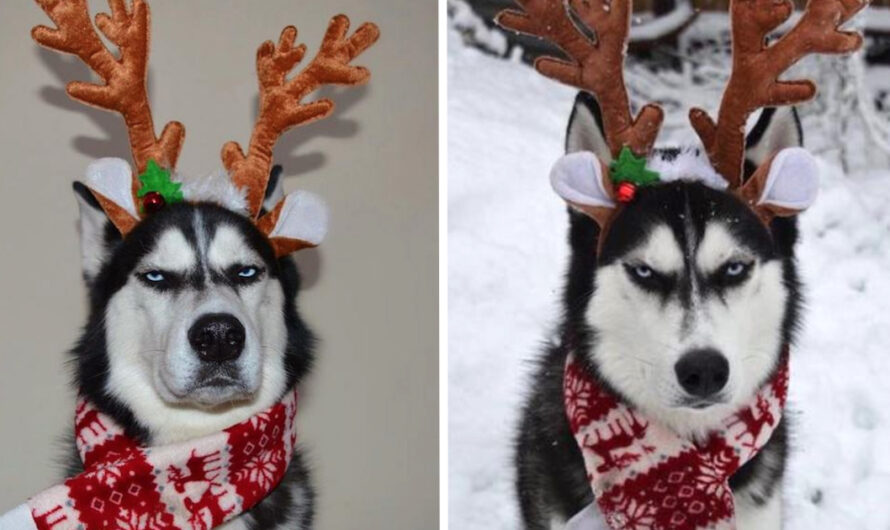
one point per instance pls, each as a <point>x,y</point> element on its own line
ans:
<point>197,484</point>
<point>646,477</point>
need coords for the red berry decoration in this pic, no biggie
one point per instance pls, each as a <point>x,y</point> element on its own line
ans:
<point>626,192</point>
<point>152,202</point>
<point>629,173</point>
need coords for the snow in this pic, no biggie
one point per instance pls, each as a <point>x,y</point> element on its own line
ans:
<point>878,19</point>
<point>507,256</point>
<point>473,29</point>
<point>665,25</point>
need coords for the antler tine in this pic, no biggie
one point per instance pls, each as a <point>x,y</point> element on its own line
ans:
<point>281,105</point>
<point>596,66</point>
<point>124,90</point>
<point>756,68</point>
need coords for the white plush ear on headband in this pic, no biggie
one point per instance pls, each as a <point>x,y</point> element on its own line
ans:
<point>304,216</point>
<point>793,180</point>
<point>578,178</point>
<point>113,179</point>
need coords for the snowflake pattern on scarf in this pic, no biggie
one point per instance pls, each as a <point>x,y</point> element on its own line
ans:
<point>646,477</point>
<point>198,484</point>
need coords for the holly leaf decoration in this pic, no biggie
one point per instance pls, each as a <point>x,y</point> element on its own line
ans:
<point>157,180</point>
<point>632,168</point>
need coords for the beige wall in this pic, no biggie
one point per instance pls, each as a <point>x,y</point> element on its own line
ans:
<point>369,414</point>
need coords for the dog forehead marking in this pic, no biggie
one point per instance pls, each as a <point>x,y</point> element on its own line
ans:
<point>229,247</point>
<point>172,251</point>
<point>717,247</point>
<point>661,250</point>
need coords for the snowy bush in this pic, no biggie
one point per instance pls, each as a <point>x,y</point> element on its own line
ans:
<point>854,125</point>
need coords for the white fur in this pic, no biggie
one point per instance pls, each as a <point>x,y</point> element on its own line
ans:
<point>640,339</point>
<point>660,252</point>
<point>304,217</point>
<point>151,364</point>
<point>690,165</point>
<point>300,499</point>
<point>793,180</point>
<point>91,228</point>
<point>172,252</point>
<point>585,135</point>
<point>750,516</point>
<point>113,179</point>
<point>217,188</point>
<point>781,133</point>
<point>300,495</point>
<point>718,247</point>
<point>228,248</point>
<point>578,179</point>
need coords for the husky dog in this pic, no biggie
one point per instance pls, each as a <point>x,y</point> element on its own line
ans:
<point>193,327</point>
<point>683,314</point>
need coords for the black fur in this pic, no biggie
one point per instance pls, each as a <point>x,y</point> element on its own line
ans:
<point>276,508</point>
<point>551,478</point>
<point>91,364</point>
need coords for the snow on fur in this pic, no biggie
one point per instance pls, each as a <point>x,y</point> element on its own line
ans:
<point>690,164</point>
<point>507,258</point>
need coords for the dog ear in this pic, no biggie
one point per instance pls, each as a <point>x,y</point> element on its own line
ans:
<point>776,129</point>
<point>298,221</point>
<point>784,186</point>
<point>585,130</point>
<point>111,181</point>
<point>104,199</point>
<point>274,190</point>
<point>94,229</point>
<point>582,180</point>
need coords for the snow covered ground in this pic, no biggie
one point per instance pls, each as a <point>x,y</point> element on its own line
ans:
<point>507,255</point>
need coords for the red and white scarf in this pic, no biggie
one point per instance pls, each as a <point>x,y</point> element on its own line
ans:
<point>197,484</point>
<point>646,477</point>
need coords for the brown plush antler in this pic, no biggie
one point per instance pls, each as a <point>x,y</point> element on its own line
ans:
<point>124,90</point>
<point>756,68</point>
<point>596,65</point>
<point>281,105</point>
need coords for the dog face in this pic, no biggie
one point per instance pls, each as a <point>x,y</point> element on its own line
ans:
<point>691,298</point>
<point>198,308</point>
<point>690,301</point>
<point>196,317</point>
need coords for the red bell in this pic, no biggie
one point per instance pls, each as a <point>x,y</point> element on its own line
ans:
<point>152,202</point>
<point>626,192</point>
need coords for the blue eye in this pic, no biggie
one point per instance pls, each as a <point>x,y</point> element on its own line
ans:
<point>736,269</point>
<point>155,276</point>
<point>643,271</point>
<point>247,272</point>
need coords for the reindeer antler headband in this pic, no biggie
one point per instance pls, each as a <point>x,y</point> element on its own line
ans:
<point>783,186</point>
<point>124,91</point>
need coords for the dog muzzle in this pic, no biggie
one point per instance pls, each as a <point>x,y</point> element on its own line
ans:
<point>197,484</point>
<point>644,476</point>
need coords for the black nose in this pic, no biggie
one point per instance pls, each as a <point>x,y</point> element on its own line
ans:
<point>702,373</point>
<point>217,337</point>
